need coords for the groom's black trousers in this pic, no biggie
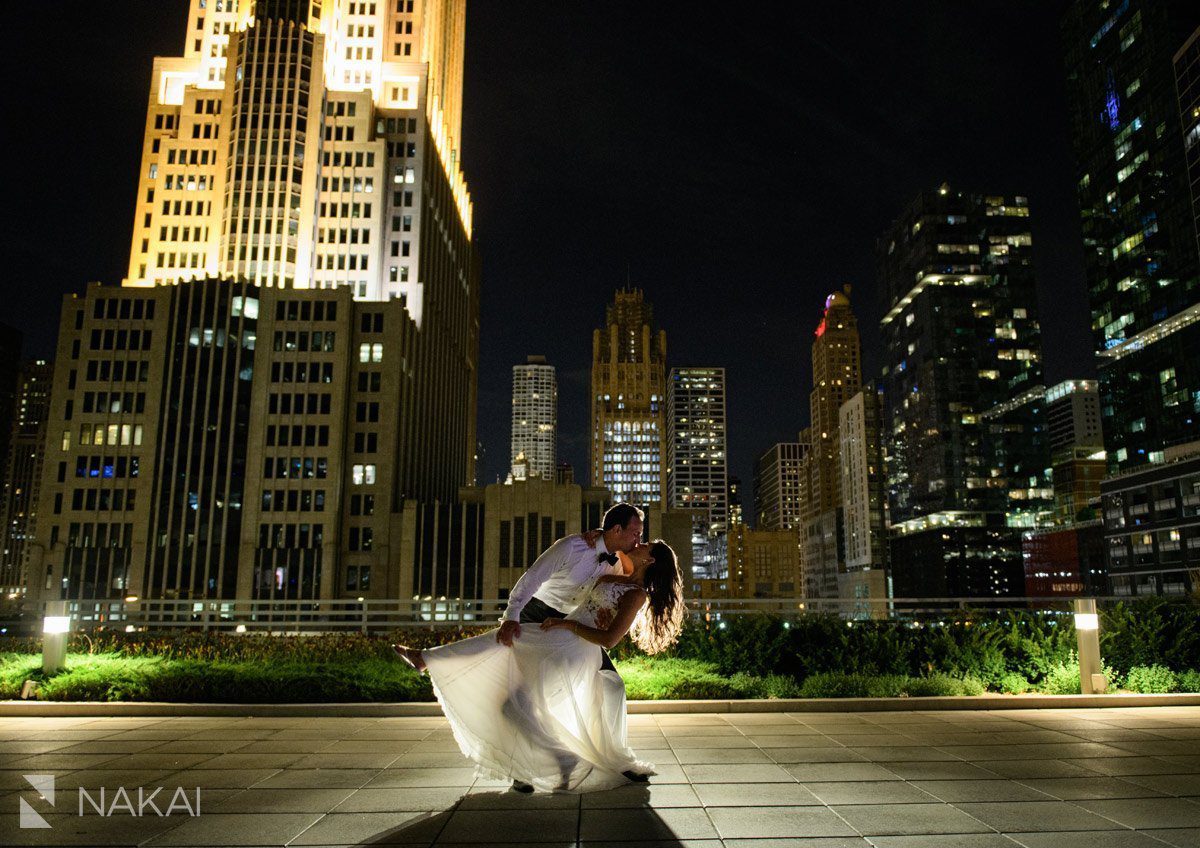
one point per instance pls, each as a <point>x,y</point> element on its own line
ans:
<point>536,611</point>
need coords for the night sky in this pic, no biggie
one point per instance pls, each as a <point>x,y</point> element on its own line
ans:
<point>735,161</point>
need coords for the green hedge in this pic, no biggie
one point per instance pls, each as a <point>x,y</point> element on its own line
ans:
<point>1149,645</point>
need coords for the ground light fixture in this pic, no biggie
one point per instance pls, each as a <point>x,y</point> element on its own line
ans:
<point>1087,631</point>
<point>55,626</point>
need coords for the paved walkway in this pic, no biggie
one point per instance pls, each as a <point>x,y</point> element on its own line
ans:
<point>1123,778</point>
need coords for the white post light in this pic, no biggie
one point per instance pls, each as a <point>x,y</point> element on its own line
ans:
<point>55,627</point>
<point>1087,632</point>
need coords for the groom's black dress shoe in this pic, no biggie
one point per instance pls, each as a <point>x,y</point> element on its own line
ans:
<point>520,786</point>
<point>635,777</point>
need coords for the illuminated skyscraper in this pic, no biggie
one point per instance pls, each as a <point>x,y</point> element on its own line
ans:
<point>628,402</point>
<point>22,472</point>
<point>298,331</point>
<point>1140,244</point>
<point>697,461</point>
<point>778,487</point>
<point>316,145</point>
<point>535,418</point>
<point>965,413</point>
<point>837,376</point>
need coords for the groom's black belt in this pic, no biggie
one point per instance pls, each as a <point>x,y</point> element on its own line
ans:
<point>537,610</point>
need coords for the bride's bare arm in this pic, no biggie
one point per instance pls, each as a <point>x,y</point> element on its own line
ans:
<point>628,607</point>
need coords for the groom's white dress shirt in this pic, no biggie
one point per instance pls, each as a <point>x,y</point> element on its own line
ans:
<point>560,576</point>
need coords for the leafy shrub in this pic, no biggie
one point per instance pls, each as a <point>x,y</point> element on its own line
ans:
<point>672,678</point>
<point>1150,631</point>
<point>1151,679</point>
<point>1062,679</point>
<point>1014,683</point>
<point>1189,681</point>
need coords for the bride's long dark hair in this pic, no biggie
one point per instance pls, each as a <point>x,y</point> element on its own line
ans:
<point>658,625</point>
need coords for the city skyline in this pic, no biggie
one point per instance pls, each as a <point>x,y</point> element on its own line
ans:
<point>767,353</point>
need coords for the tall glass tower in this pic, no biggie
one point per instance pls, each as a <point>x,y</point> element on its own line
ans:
<point>964,417</point>
<point>535,419</point>
<point>1139,244</point>
<point>697,462</point>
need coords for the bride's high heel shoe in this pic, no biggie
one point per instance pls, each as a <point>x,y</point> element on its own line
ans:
<point>411,656</point>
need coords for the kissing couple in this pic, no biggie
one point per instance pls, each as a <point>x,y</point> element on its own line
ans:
<point>537,700</point>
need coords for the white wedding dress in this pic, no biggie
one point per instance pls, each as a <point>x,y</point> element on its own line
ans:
<point>541,712</point>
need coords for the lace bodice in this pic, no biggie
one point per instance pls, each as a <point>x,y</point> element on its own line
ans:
<point>600,604</point>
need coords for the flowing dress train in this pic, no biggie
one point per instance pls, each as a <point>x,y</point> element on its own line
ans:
<point>542,712</point>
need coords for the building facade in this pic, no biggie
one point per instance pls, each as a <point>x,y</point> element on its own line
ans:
<point>1065,561</point>
<point>864,498</point>
<point>22,474</point>
<point>221,440</point>
<point>628,399</point>
<point>1187,83</point>
<point>965,412</point>
<point>837,376</point>
<point>355,181</point>
<point>1152,527</point>
<point>1076,448</point>
<point>535,418</point>
<point>764,564</point>
<point>697,460</point>
<point>779,487</point>
<point>1140,248</point>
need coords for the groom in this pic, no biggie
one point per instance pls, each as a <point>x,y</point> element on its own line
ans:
<point>553,586</point>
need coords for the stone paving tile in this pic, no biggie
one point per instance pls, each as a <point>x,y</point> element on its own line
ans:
<point>692,756</point>
<point>909,819</point>
<point>816,842</point>
<point>645,823</point>
<point>94,831</point>
<point>373,829</point>
<point>1181,837</point>
<point>740,822</point>
<point>1010,816</point>
<point>238,829</point>
<point>1123,766</point>
<point>904,753</point>
<point>1089,839</point>
<point>736,773</point>
<point>869,792</point>
<point>824,772</point>
<point>316,778</point>
<point>459,776</point>
<point>483,826</point>
<point>490,798</point>
<point>940,771</point>
<point>1022,769</point>
<point>814,755</point>
<point>792,740</point>
<point>396,800</point>
<point>219,778</point>
<point>282,801</point>
<point>957,840</point>
<point>659,795</point>
<point>981,790</point>
<point>1184,785</point>
<point>1147,812</point>
<point>1079,788</point>
<point>755,795</point>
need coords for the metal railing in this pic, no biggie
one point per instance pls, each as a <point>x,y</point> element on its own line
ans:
<point>384,615</point>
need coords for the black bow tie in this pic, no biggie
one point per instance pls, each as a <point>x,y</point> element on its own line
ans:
<point>611,559</point>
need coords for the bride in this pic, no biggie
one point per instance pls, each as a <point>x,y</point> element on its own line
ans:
<point>543,712</point>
